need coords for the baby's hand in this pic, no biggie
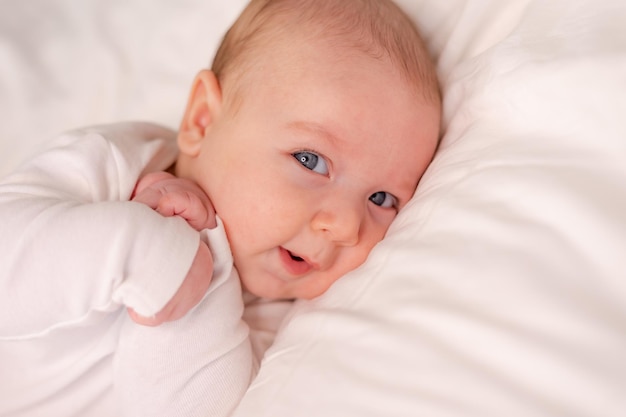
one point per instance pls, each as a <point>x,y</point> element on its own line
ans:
<point>173,196</point>
<point>189,294</point>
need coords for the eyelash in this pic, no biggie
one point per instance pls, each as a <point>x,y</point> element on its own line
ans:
<point>301,157</point>
<point>394,200</point>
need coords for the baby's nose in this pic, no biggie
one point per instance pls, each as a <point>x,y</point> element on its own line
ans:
<point>341,223</point>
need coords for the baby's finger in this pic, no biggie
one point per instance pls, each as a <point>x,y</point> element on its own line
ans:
<point>189,206</point>
<point>149,196</point>
<point>150,179</point>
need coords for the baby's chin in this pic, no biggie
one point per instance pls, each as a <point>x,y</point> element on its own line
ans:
<point>276,291</point>
<point>268,295</point>
<point>265,290</point>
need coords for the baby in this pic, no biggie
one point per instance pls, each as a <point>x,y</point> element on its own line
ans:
<point>294,155</point>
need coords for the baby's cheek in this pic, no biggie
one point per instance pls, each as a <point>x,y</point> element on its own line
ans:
<point>356,258</point>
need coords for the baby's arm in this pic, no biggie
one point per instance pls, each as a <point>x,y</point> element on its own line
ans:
<point>73,247</point>
<point>172,196</point>
<point>188,294</point>
<point>200,365</point>
<point>71,244</point>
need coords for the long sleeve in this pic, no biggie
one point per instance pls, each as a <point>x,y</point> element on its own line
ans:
<point>73,249</point>
<point>198,366</point>
<point>72,243</point>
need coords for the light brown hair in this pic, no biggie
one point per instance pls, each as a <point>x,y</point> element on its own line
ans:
<point>378,28</point>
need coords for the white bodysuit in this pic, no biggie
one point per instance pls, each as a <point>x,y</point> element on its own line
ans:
<point>74,251</point>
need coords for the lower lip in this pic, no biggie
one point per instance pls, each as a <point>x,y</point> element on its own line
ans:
<point>293,267</point>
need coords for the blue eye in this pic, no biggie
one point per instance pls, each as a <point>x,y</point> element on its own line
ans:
<point>312,161</point>
<point>383,199</point>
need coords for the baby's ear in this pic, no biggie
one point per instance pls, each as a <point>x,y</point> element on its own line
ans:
<point>203,106</point>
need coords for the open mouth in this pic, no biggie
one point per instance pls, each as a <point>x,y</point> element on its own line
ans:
<point>295,258</point>
<point>295,265</point>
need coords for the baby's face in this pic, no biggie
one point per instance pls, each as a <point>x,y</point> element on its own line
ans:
<point>312,168</point>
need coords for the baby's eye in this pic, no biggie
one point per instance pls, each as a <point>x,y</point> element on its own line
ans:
<point>311,161</point>
<point>383,199</point>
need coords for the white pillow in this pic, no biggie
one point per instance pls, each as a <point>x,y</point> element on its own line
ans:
<point>498,292</point>
<point>501,290</point>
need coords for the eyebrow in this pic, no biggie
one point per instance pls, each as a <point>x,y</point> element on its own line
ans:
<point>315,128</point>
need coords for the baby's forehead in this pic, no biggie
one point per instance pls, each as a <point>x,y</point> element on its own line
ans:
<point>304,54</point>
<point>294,36</point>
